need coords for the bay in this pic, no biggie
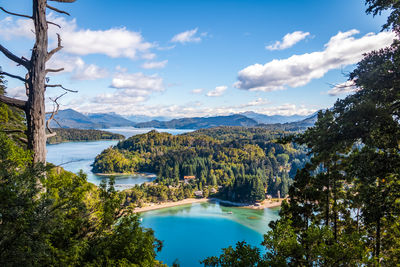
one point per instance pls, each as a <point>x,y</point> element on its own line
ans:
<point>191,233</point>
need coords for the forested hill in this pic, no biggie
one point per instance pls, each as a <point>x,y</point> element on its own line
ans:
<point>245,162</point>
<point>69,135</point>
<point>200,122</point>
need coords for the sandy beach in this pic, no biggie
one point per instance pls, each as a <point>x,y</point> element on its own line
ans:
<point>163,205</point>
<point>155,206</point>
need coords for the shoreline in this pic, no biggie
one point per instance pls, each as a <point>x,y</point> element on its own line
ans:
<point>83,141</point>
<point>147,174</point>
<point>155,206</point>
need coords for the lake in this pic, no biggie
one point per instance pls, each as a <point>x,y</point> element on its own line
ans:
<point>75,156</point>
<point>189,233</point>
<point>193,232</point>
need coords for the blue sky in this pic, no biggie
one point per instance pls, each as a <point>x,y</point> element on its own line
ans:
<point>200,58</point>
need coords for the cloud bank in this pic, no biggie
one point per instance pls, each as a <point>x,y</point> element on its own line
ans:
<point>298,70</point>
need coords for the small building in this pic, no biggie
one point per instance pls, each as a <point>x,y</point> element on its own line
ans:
<point>188,178</point>
<point>198,193</point>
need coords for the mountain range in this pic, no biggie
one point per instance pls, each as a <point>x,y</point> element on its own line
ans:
<point>70,118</point>
<point>200,122</point>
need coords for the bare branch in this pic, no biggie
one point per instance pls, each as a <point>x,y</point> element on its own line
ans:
<point>64,1</point>
<point>55,24</point>
<point>23,140</point>
<point>13,102</point>
<point>27,84</point>
<point>51,134</point>
<point>15,14</point>
<point>55,50</point>
<point>22,61</point>
<point>57,10</point>
<point>62,87</point>
<point>13,76</point>
<point>54,70</point>
<point>59,125</point>
<point>56,107</point>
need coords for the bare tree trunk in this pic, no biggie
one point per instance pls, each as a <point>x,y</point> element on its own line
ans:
<point>35,80</point>
<point>35,112</point>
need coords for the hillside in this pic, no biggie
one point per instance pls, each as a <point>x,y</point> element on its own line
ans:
<point>267,119</point>
<point>292,126</point>
<point>243,161</point>
<point>200,122</point>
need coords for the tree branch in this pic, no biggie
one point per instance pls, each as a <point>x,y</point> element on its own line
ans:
<point>56,107</point>
<point>51,134</point>
<point>14,58</point>
<point>15,14</point>
<point>13,102</point>
<point>55,50</point>
<point>62,87</point>
<point>57,10</point>
<point>13,76</point>
<point>54,70</point>
<point>63,1</point>
<point>52,23</point>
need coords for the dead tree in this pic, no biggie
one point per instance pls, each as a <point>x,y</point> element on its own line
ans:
<point>35,79</point>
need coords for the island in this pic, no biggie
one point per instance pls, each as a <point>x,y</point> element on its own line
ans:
<point>243,165</point>
<point>74,135</point>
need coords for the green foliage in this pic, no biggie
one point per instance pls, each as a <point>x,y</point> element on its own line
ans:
<point>69,135</point>
<point>244,161</point>
<point>113,161</point>
<point>376,7</point>
<point>12,120</point>
<point>243,255</point>
<point>50,217</point>
<point>344,207</point>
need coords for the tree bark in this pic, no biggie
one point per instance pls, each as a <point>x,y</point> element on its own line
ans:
<point>35,112</point>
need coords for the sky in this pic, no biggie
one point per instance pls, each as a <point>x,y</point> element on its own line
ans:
<point>178,58</point>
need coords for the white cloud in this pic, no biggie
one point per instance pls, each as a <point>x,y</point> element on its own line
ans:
<point>114,42</point>
<point>187,37</point>
<point>90,72</point>
<point>134,106</point>
<point>165,48</point>
<point>75,65</point>
<point>298,70</point>
<point>18,92</point>
<point>288,40</point>
<point>155,64</point>
<point>197,91</point>
<point>258,102</point>
<point>218,91</point>
<point>287,109</point>
<point>132,89</point>
<point>138,81</point>
<point>343,88</point>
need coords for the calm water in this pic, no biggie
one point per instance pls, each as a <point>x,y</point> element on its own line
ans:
<point>75,156</point>
<point>191,233</point>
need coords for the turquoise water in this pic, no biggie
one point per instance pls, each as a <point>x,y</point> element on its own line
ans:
<point>189,233</point>
<point>75,156</point>
<point>193,232</point>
